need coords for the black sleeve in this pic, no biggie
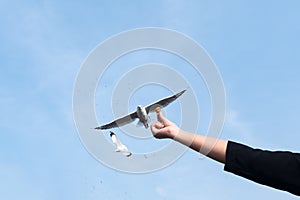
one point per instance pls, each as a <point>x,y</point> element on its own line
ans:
<point>277,169</point>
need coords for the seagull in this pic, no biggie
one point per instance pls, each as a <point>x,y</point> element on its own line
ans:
<point>141,113</point>
<point>119,146</point>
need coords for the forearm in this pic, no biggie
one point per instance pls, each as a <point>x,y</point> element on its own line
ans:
<point>211,147</point>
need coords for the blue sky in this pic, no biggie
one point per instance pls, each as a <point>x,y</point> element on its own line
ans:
<point>255,45</point>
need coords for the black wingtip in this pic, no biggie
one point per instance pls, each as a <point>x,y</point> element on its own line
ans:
<point>111,133</point>
<point>180,93</point>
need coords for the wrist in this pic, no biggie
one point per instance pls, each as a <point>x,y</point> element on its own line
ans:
<point>174,133</point>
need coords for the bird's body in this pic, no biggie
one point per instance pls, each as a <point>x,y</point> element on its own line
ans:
<point>141,113</point>
<point>143,116</point>
<point>119,146</point>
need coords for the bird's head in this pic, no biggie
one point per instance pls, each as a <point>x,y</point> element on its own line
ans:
<point>139,107</point>
<point>111,133</point>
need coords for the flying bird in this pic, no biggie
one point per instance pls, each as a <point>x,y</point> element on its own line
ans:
<point>119,146</point>
<point>141,113</point>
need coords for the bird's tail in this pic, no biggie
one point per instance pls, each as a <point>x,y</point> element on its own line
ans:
<point>139,124</point>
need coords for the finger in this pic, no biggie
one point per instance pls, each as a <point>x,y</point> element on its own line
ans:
<point>157,126</point>
<point>157,110</point>
<point>162,119</point>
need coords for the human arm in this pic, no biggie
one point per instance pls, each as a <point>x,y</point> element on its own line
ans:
<point>211,147</point>
<point>277,169</point>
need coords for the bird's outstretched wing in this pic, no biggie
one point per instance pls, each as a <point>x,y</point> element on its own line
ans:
<point>119,122</point>
<point>115,140</point>
<point>163,102</point>
<point>119,146</point>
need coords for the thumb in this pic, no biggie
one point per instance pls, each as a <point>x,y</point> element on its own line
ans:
<point>161,118</point>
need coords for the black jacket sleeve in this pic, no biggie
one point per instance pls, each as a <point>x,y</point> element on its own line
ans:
<point>277,169</point>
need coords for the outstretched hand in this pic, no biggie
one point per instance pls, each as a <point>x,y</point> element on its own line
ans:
<point>163,128</point>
